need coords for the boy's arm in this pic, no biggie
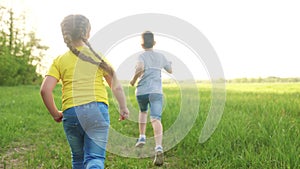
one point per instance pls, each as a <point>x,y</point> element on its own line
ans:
<point>169,68</point>
<point>46,92</point>
<point>138,72</point>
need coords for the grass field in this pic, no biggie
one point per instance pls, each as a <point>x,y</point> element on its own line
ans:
<point>260,128</point>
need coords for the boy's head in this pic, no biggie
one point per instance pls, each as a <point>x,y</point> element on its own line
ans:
<point>148,40</point>
<point>75,28</point>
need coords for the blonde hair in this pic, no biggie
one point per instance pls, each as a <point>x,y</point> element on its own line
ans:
<point>75,28</point>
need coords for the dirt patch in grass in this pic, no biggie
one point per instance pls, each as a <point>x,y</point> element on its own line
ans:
<point>14,157</point>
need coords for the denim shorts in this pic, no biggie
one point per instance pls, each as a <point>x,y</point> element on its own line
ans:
<point>154,101</point>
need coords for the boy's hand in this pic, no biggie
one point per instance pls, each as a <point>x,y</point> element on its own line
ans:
<point>124,114</point>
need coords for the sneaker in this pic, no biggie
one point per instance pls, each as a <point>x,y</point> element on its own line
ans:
<point>140,142</point>
<point>159,157</point>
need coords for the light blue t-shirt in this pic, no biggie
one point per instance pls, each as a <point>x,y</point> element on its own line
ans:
<point>150,81</point>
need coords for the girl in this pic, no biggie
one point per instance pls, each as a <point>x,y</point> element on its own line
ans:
<point>84,97</point>
<point>149,92</point>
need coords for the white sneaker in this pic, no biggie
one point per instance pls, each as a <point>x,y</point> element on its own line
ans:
<point>140,142</point>
<point>159,157</point>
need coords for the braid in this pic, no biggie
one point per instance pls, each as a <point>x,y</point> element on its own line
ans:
<point>83,56</point>
<point>74,28</point>
<point>90,47</point>
<point>102,64</point>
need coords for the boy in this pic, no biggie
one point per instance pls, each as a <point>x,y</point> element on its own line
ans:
<point>149,92</point>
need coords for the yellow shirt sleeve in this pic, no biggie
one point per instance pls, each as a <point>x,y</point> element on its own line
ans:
<point>54,70</point>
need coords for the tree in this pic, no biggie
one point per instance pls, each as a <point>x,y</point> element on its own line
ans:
<point>20,51</point>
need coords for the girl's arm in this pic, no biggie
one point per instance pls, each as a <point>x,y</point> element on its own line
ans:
<point>139,70</point>
<point>46,92</point>
<point>118,92</point>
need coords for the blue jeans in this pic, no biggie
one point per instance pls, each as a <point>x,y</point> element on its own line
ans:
<point>86,127</point>
<point>155,101</point>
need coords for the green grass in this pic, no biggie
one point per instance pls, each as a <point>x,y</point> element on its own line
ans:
<point>260,128</point>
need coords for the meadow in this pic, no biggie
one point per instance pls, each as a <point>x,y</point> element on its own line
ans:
<point>260,128</point>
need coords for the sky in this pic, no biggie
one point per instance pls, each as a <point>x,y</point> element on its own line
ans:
<point>257,38</point>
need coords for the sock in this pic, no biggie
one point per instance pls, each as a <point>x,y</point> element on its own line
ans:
<point>143,136</point>
<point>158,147</point>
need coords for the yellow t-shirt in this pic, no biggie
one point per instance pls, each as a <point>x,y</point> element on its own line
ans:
<point>82,82</point>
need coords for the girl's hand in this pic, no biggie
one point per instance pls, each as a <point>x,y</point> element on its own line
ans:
<point>124,114</point>
<point>58,117</point>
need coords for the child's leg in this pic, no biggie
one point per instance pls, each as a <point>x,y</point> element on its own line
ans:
<point>142,129</point>
<point>142,123</point>
<point>96,134</point>
<point>158,131</point>
<point>75,137</point>
<point>143,102</point>
<point>156,103</point>
<point>158,136</point>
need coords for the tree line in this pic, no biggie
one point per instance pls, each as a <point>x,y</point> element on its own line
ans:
<point>271,79</point>
<point>20,50</point>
